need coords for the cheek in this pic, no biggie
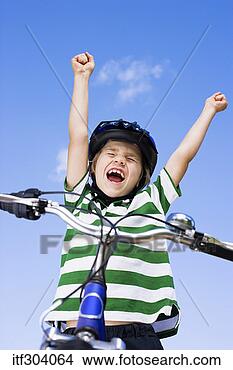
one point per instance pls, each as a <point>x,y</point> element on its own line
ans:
<point>100,165</point>
<point>136,171</point>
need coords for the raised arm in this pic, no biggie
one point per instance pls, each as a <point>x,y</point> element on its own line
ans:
<point>83,65</point>
<point>178,162</point>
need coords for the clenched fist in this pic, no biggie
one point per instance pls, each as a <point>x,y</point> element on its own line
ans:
<point>83,64</point>
<point>218,102</point>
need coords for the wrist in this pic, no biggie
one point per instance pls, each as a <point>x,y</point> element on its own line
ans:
<point>209,109</point>
<point>81,77</point>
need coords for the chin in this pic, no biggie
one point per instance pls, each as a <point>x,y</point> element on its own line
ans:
<point>112,192</point>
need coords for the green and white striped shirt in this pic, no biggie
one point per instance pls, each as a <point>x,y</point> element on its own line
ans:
<point>139,278</point>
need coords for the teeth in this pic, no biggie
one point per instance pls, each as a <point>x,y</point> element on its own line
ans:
<point>117,171</point>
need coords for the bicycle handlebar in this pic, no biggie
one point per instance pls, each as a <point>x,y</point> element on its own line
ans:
<point>195,240</point>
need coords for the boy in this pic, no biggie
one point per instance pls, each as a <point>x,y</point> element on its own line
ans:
<point>141,306</point>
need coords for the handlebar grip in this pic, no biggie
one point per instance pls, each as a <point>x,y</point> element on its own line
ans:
<point>22,210</point>
<point>19,210</point>
<point>216,250</point>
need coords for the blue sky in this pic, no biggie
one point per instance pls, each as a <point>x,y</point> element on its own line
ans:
<point>139,49</point>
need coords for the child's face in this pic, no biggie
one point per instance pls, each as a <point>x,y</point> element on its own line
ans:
<point>118,156</point>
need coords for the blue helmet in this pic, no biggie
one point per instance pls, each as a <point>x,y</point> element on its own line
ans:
<point>125,131</point>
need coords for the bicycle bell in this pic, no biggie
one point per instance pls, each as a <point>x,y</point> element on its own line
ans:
<point>185,222</point>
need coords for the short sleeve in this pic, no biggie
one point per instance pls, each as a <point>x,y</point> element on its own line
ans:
<point>164,192</point>
<point>72,196</point>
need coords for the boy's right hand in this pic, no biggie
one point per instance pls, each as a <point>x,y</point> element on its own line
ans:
<point>83,64</point>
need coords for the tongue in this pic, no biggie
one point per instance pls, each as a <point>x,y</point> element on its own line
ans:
<point>114,178</point>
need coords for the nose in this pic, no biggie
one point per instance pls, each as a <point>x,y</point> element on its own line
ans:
<point>120,159</point>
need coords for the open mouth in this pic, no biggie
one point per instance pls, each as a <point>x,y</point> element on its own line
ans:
<point>115,175</point>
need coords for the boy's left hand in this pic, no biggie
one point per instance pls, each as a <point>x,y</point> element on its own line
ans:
<point>217,101</point>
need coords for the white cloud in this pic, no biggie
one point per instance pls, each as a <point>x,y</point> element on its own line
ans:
<point>137,70</point>
<point>58,174</point>
<point>129,93</point>
<point>157,71</point>
<point>132,77</point>
<point>108,72</point>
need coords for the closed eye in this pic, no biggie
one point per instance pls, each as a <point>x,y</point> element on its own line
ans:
<point>131,159</point>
